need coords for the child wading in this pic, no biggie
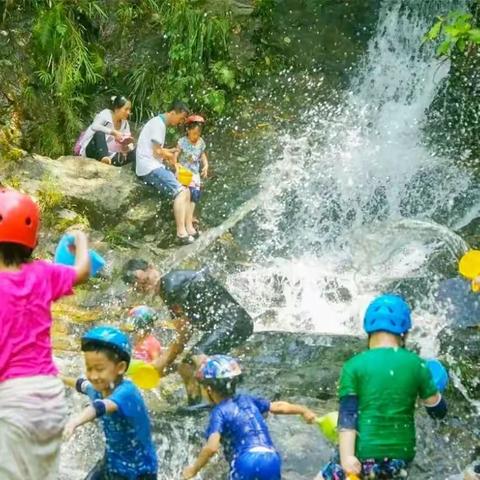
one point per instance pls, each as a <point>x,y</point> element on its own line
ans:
<point>32,404</point>
<point>192,159</point>
<point>129,451</point>
<point>378,391</point>
<point>237,422</point>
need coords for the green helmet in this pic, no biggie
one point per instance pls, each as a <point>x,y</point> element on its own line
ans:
<point>141,317</point>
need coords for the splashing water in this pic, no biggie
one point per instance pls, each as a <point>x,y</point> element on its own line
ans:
<point>358,201</point>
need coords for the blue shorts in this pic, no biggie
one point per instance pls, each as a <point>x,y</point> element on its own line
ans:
<point>195,194</point>
<point>164,181</point>
<point>257,464</point>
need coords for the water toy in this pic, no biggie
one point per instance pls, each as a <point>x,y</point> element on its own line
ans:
<point>439,374</point>
<point>64,255</point>
<point>143,375</point>
<point>469,267</point>
<point>328,426</point>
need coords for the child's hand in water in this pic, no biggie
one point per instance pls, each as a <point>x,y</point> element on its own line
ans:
<point>309,416</point>
<point>69,429</point>
<point>188,472</point>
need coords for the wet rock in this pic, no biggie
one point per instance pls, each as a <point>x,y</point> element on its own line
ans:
<point>461,349</point>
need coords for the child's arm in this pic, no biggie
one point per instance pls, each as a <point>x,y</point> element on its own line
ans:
<point>348,460</point>
<point>436,406</point>
<point>285,408</point>
<point>82,257</point>
<point>207,452</point>
<point>68,381</point>
<point>347,426</point>
<point>97,409</point>
<point>204,160</point>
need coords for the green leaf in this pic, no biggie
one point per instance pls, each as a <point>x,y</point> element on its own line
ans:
<point>434,32</point>
<point>474,35</point>
<point>461,44</point>
<point>444,48</point>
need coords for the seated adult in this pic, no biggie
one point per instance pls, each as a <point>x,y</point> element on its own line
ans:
<point>155,166</point>
<point>108,138</point>
<point>198,303</point>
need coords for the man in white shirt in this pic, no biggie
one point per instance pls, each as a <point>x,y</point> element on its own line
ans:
<point>151,161</point>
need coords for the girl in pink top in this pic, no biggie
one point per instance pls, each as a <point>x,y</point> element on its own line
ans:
<point>32,406</point>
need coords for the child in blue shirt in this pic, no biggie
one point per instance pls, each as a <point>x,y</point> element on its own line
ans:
<point>129,453</point>
<point>237,422</point>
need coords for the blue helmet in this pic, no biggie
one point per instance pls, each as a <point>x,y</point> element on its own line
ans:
<point>108,337</point>
<point>219,367</point>
<point>388,313</point>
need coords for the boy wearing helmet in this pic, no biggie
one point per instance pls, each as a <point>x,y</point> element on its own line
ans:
<point>32,398</point>
<point>378,391</point>
<point>237,422</point>
<point>129,450</point>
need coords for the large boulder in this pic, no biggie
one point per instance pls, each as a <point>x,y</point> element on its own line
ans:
<point>96,188</point>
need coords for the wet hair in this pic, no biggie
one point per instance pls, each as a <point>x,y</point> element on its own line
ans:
<point>14,254</point>
<point>118,101</point>
<point>129,269</point>
<point>225,388</point>
<point>110,351</point>
<point>179,107</point>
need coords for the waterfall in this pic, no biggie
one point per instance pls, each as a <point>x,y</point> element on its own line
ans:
<point>358,204</point>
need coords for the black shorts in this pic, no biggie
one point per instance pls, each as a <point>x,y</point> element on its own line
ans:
<point>99,472</point>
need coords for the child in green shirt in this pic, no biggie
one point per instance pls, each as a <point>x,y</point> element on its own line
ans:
<point>378,392</point>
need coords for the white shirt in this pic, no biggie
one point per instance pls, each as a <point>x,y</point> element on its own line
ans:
<point>152,133</point>
<point>103,122</point>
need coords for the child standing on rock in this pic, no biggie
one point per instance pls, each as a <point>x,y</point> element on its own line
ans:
<point>32,404</point>
<point>192,163</point>
<point>378,392</point>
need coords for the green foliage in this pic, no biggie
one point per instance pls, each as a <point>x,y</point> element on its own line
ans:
<point>76,53</point>
<point>454,33</point>
<point>50,199</point>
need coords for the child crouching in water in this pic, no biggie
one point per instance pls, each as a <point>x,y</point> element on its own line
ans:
<point>32,403</point>
<point>378,391</point>
<point>237,422</point>
<point>129,450</point>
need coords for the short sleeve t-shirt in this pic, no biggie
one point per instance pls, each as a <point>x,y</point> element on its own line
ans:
<point>152,133</point>
<point>191,155</point>
<point>148,349</point>
<point>129,448</point>
<point>239,421</point>
<point>206,301</point>
<point>387,382</point>
<point>25,317</point>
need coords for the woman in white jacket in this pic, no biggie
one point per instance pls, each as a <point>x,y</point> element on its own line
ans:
<point>108,138</point>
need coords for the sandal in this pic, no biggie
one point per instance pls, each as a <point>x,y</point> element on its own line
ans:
<point>187,240</point>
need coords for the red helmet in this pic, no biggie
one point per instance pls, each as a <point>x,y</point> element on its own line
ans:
<point>194,119</point>
<point>19,218</point>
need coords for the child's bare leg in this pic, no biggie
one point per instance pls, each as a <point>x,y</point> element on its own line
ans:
<point>189,219</point>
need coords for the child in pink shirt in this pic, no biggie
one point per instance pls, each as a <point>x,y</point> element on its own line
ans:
<point>141,321</point>
<point>32,407</point>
